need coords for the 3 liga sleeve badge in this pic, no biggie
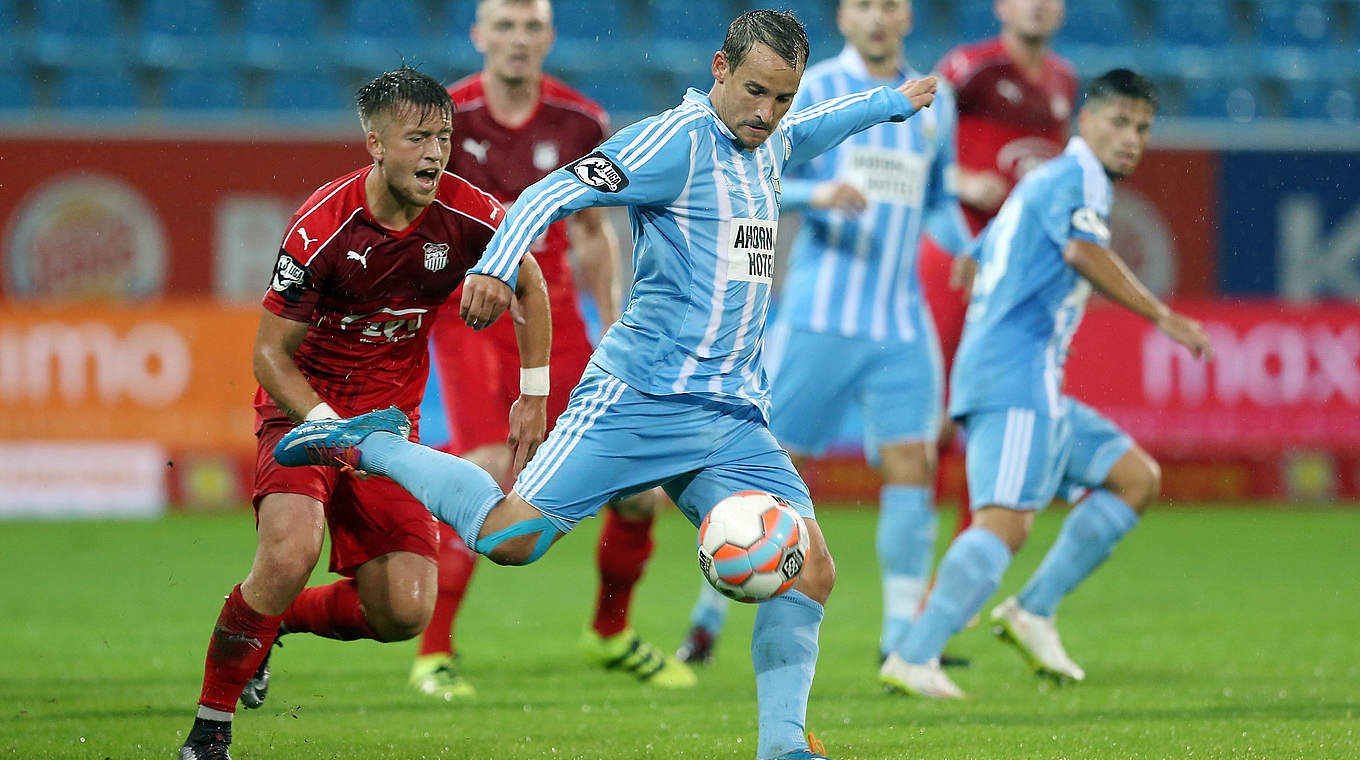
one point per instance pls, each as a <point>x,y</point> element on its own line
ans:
<point>290,277</point>
<point>600,172</point>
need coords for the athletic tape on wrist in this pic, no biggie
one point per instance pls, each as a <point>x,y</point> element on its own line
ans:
<point>533,381</point>
<point>322,411</point>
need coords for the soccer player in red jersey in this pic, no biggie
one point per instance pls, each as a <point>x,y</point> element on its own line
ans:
<point>512,125</point>
<point>1015,99</point>
<point>364,267</point>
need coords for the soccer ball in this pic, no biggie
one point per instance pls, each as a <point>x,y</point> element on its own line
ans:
<point>752,546</point>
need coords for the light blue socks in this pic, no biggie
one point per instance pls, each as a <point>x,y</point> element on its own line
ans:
<point>968,574</point>
<point>458,492</point>
<point>784,652</point>
<point>710,610</point>
<point>906,548</point>
<point>1087,537</point>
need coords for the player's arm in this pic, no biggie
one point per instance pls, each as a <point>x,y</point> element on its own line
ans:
<point>276,341</point>
<point>1108,274</point>
<point>529,414</point>
<point>596,249</point>
<point>816,129</point>
<point>628,169</point>
<point>944,220</point>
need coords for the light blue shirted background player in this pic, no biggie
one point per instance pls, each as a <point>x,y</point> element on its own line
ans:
<point>675,394</point>
<point>853,327</point>
<point>1038,261</point>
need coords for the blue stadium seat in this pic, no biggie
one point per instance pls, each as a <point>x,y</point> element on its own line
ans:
<point>820,20</point>
<point>16,90</point>
<point>77,34</point>
<point>103,90</point>
<point>1333,101</point>
<point>378,35</point>
<point>282,34</point>
<point>1303,23</point>
<point>628,98</point>
<point>304,93</point>
<point>210,90</point>
<point>1236,100</point>
<point>1203,22</point>
<point>180,33</point>
<point>975,20</point>
<point>11,36</point>
<point>685,33</point>
<point>1098,23</point>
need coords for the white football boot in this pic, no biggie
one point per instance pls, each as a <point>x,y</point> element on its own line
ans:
<point>926,680</point>
<point>1037,640</point>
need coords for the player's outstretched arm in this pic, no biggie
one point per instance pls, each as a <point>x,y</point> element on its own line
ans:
<point>1108,274</point>
<point>276,341</point>
<point>596,249</point>
<point>529,414</point>
<point>921,92</point>
<point>485,299</point>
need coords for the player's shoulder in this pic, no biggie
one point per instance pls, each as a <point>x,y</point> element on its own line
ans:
<point>965,61</point>
<point>464,199</point>
<point>324,213</point>
<point>1061,67</point>
<point>559,94</point>
<point>467,90</point>
<point>824,69</point>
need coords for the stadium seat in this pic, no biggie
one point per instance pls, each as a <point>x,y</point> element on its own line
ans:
<point>378,35</point>
<point>281,34</point>
<point>1102,23</point>
<point>1237,100</point>
<point>1204,22</point>
<point>179,33</point>
<point>16,90</point>
<point>1332,101</point>
<point>627,98</point>
<point>820,20</point>
<point>204,90</point>
<point>77,34</point>
<point>103,90</point>
<point>304,93</point>
<point>11,36</point>
<point>974,20</point>
<point>1302,23</point>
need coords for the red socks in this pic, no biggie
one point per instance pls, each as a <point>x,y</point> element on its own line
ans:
<point>456,563</point>
<point>332,611</point>
<point>240,640</point>
<point>624,548</point>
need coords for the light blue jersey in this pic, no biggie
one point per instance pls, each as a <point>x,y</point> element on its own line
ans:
<point>705,215</point>
<point>1027,302</point>
<point>855,276</point>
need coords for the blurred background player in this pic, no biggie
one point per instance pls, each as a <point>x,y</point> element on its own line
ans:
<point>512,124</point>
<point>364,267</point>
<point>1014,99</point>
<point>1038,261</point>
<point>852,328</point>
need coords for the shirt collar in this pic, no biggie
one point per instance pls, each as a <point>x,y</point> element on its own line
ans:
<point>701,99</point>
<point>1078,147</point>
<point>852,62</point>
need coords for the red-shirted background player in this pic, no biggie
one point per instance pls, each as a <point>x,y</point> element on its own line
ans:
<point>512,125</point>
<point>365,266</point>
<point>1015,100</point>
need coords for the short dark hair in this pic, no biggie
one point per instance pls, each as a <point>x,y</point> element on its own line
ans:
<point>781,31</point>
<point>403,85</point>
<point>1121,83</point>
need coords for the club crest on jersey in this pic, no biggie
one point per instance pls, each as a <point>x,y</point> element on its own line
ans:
<point>601,173</point>
<point>290,277</point>
<point>545,156</point>
<point>750,253</point>
<point>436,256</point>
<point>1087,220</point>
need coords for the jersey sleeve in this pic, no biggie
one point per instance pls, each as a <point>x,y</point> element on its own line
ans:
<point>645,164</point>
<point>944,220</point>
<point>798,182</point>
<point>1072,215</point>
<point>294,288</point>
<point>816,129</point>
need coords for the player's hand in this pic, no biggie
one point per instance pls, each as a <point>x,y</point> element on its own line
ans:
<point>1188,333</point>
<point>485,298</point>
<point>983,190</point>
<point>516,311</point>
<point>528,423</point>
<point>921,92</point>
<point>838,196</point>
<point>961,274</point>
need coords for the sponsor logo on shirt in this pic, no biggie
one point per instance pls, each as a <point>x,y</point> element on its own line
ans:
<point>1087,220</point>
<point>887,176</point>
<point>436,256</point>
<point>545,156</point>
<point>750,249</point>
<point>600,172</point>
<point>476,148</point>
<point>290,277</point>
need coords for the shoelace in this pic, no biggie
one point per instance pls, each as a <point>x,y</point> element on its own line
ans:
<point>816,745</point>
<point>641,659</point>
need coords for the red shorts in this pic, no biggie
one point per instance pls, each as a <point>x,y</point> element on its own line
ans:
<point>366,518</point>
<point>479,374</point>
<point>947,306</point>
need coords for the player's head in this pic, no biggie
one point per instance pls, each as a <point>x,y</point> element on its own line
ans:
<point>1116,119</point>
<point>1033,21</point>
<point>407,117</point>
<point>875,28</point>
<point>756,74</point>
<point>514,37</point>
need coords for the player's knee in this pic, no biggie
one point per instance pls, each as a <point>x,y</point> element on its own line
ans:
<point>1139,479</point>
<point>636,507</point>
<point>520,543</point>
<point>818,576</point>
<point>404,621</point>
<point>513,551</point>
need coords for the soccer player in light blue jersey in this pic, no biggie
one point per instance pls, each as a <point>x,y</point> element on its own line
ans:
<point>1039,259</point>
<point>853,327</point>
<point>675,395</point>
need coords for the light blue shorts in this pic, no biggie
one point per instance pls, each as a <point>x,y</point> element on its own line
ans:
<point>817,377</point>
<point>1020,458</point>
<point>613,441</point>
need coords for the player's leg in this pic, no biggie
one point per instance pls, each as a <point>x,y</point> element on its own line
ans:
<point>434,671</point>
<point>948,310</point>
<point>1009,466</point>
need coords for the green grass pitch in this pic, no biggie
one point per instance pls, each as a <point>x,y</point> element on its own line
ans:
<point>1209,634</point>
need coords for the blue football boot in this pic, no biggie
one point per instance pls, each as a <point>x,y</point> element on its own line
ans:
<point>335,443</point>
<point>817,751</point>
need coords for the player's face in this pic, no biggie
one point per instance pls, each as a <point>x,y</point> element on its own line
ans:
<point>411,152</point>
<point>752,98</point>
<point>1117,130</point>
<point>1031,19</point>
<point>514,38</point>
<point>875,28</point>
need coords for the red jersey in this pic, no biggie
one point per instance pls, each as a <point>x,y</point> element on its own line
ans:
<point>504,161</point>
<point>1008,122</point>
<point>370,293</point>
